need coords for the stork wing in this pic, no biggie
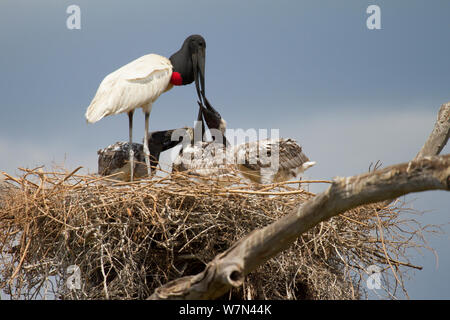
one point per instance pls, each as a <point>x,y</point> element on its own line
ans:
<point>143,68</point>
<point>291,155</point>
<point>258,154</point>
<point>134,85</point>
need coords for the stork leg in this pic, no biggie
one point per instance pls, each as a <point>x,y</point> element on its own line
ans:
<point>131,152</point>
<point>146,150</point>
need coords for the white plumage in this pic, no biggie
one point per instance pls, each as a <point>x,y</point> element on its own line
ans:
<point>135,85</point>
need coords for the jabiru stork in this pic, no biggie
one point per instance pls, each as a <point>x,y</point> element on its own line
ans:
<point>139,83</point>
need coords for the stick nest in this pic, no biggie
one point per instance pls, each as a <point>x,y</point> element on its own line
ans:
<point>127,239</point>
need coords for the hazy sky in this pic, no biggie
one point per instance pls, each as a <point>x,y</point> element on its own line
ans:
<point>312,69</point>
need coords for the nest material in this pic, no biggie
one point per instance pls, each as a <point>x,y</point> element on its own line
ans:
<point>130,238</point>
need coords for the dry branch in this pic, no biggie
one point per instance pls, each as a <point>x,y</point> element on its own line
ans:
<point>230,268</point>
<point>128,239</point>
<point>439,136</point>
<point>437,139</point>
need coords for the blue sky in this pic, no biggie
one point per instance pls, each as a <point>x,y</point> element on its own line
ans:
<point>349,95</point>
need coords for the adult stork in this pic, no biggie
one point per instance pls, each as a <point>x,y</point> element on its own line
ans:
<point>251,160</point>
<point>139,83</point>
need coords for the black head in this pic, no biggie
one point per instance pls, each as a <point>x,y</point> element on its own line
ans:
<point>213,119</point>
<point>162,140</point>
<point>189,61</point>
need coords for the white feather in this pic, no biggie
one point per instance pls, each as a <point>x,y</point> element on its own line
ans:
<point>136,84</point>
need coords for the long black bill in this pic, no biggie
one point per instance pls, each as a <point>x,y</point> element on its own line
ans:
<point>201,69</point>
<point>198,64</point>
<point>199,129</point>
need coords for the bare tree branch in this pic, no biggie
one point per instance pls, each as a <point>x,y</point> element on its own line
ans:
<point>437,139</point>
<point>440,134</point>
<point>230,267</point>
